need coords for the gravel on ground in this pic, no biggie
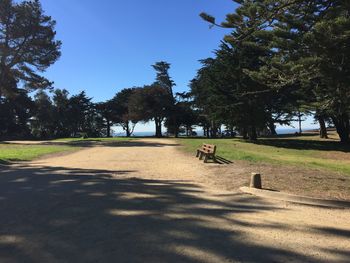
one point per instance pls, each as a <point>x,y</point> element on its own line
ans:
<point>146,201</point>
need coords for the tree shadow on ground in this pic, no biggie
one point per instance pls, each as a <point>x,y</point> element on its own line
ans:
<point>345,253</point>
<point>335,231</point>
<point>289,143</point>
<point>293,142</point>
<point>55,214</point>
<point>132,143</point>
<point>91,143</point>
<point>3,162</point>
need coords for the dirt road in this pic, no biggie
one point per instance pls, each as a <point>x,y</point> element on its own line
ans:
<point>145,201</point>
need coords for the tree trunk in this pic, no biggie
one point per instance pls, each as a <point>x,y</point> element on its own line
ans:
<point>127,129</point>
<point>213,130</point>
<point>323,128</point>
<point>160,130</point>
<point>343,127</point>
<point>176,126</point>
<point>299,120</point>
<point>158,123</point>
<point>208,132</point>
<point>108,129</point>
<point>244,133</point>
<point>133,125</point>
<point>176,132</point>
<point>253,136</point>
<point>272,128</point>
<point>232,132</point>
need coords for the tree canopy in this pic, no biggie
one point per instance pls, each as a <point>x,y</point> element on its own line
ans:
<point>279,62</point>
<point>290,57</point>
<point>27,46</point>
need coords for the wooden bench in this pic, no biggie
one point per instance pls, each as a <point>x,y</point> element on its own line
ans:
<point>208,151</point>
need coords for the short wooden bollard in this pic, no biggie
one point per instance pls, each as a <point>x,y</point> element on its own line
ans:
<point>255,181</point>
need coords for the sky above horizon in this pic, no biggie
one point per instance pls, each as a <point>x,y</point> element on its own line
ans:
<point>109,45</point>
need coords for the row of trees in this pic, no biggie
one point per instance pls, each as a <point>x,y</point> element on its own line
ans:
<point>57,114</point>
<point>282,59</point>
<point>28,47</point>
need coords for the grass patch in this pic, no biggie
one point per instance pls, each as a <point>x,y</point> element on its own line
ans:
<point>20,152</point>
<point>306,151</point>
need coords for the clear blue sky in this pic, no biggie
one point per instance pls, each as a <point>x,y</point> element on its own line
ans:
<point>109,45</point>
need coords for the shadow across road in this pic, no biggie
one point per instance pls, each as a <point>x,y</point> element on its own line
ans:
<point>55,214</point>
<point>92,142</point>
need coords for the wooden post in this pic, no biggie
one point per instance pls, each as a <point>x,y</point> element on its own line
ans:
<point>255,181</point>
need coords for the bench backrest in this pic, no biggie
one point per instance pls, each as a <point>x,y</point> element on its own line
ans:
<point>210,148</point>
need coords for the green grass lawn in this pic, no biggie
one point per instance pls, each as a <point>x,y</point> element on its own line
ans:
<point>26,152</point>
<point>307,151</point>
<point>21,152</point>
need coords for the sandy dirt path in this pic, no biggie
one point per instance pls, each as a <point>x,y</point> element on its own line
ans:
<point>145,201</point>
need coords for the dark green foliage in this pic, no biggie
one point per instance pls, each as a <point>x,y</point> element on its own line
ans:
<point>82,115</point>
<point>105,117</point>
<point>15,114</point>
<point>64,116</point>
<point>294,52</point>
<point>183,117</point>
<point>61,103</point>
<point>163,79</point>
<point>27,45</point>
<point>226,94</point>
<point>123,113</point>
<point>42,120</point>
<point>151,103</point>
<point>27,48</point>
<point>281,61</point>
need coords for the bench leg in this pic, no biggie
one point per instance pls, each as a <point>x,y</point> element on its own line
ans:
<point>206,158</point>
<point>197,155</point>
<point>201,156</point>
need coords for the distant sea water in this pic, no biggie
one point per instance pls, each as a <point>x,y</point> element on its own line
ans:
<point>200,133</point>
<point>144,134</point>
<point>136,134</point>
<point>292,131</point>
<point>287,131</point>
